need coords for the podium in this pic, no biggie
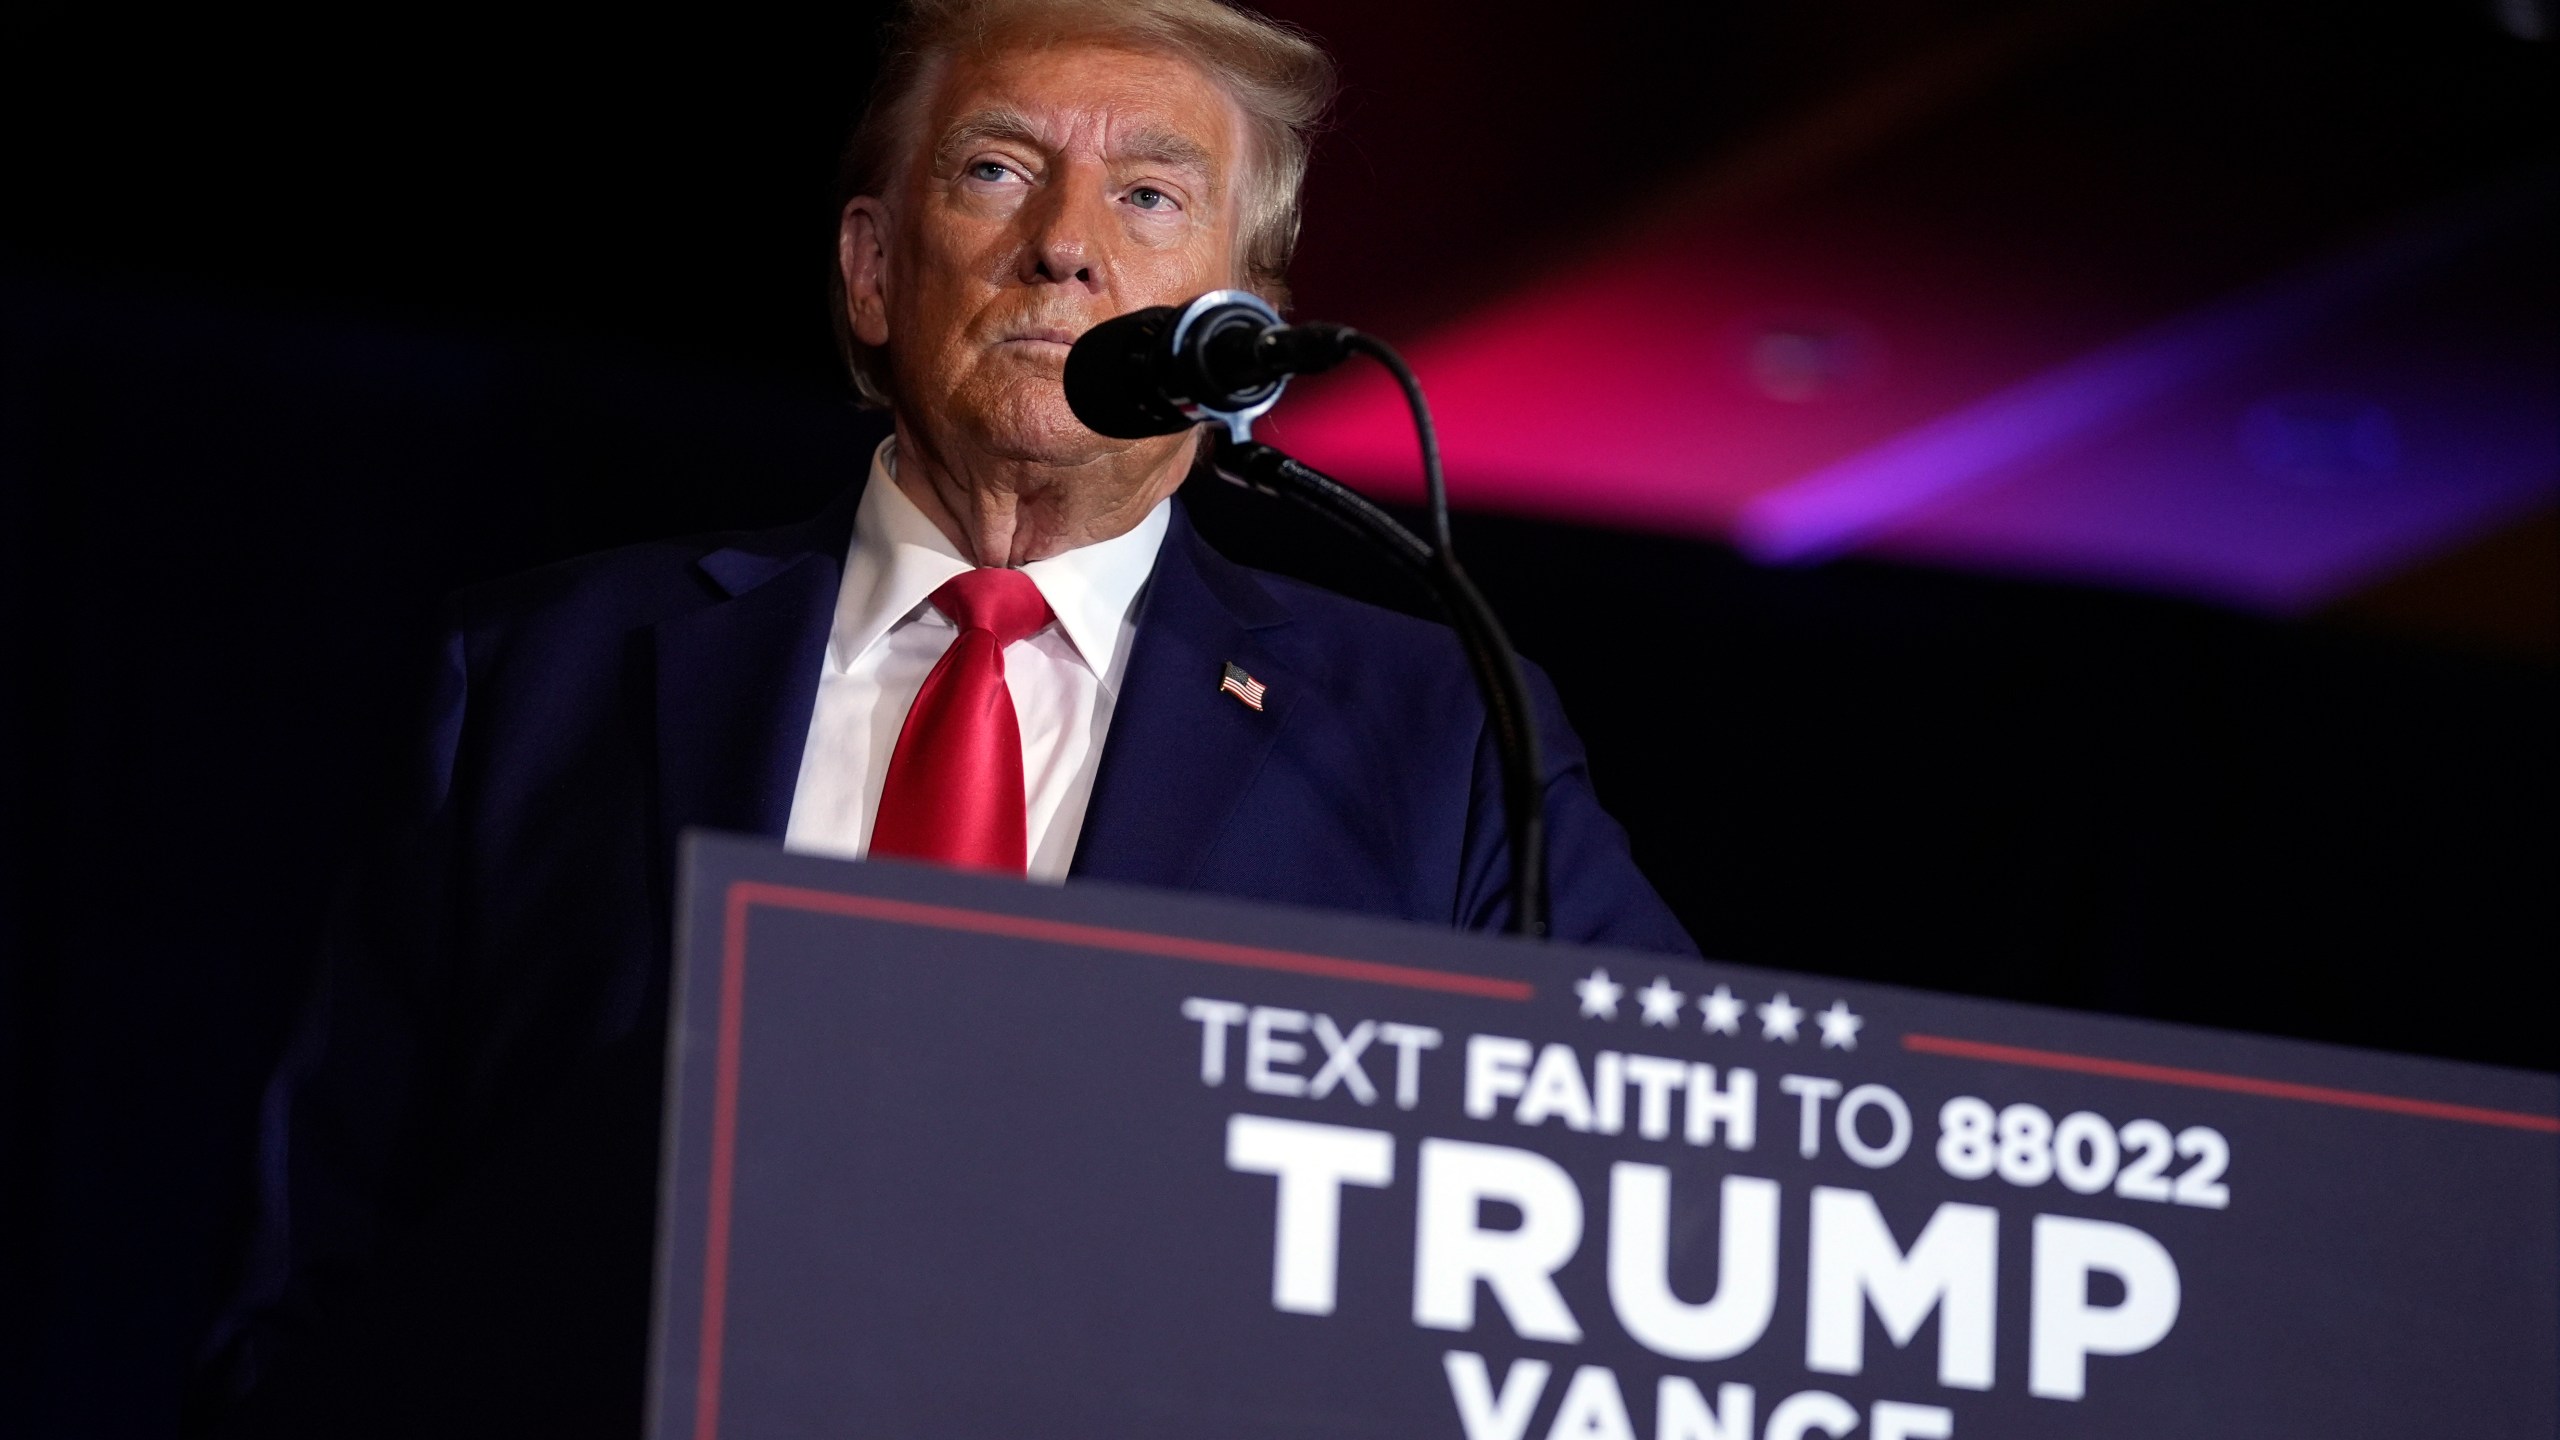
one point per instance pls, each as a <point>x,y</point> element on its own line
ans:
<point>950,1155</point>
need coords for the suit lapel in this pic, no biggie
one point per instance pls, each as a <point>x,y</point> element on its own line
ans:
<point>736,680</point>
<point>1181,753</point>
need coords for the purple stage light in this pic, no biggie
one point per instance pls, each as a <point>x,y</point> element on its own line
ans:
<point>2273,450</point>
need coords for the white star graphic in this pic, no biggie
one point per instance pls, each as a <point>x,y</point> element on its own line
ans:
<point>1661,1002</point>
<point>1839,1027</point>
<point>1599,995</point>
<point>1778,1019</point>
<point>1722,1011</point>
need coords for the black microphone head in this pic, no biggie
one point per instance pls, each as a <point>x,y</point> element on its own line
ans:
<point>1115,376</point>
<point>1165,369</point>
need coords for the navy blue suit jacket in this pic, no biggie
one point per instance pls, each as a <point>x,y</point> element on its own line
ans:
<point>459,1183</point>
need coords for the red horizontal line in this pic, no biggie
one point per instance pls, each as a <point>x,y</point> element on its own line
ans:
<point>1136,942</point>
<point>2236,1084</point>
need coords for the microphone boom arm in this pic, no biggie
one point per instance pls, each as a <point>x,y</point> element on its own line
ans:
<point>1495,665</point>
<point>1219,362</point>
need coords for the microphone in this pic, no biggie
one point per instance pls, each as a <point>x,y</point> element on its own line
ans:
<point>1222,357</point>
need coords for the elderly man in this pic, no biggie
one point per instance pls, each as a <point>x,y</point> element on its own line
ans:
<point>1006,649</point>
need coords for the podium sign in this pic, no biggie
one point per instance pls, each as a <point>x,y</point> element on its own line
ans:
<point>958,1156</point>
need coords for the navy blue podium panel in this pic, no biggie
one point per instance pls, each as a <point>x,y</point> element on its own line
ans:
<point>950,1155</point>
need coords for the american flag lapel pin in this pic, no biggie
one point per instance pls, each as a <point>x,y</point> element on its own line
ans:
<point>1242,686</point>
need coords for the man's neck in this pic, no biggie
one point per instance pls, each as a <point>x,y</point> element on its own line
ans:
<point>1012,512</point>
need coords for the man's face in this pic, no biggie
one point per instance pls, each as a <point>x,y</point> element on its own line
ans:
<point>1054,188</point>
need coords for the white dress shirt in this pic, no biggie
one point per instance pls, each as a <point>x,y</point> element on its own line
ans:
<point>886,638</point>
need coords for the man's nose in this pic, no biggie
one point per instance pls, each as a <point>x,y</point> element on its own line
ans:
<point>1069,225</point>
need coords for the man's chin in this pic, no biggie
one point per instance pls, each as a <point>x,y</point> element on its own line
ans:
<point>1038,429</point>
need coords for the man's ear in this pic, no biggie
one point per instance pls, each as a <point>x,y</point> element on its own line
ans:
<point>862,257</point>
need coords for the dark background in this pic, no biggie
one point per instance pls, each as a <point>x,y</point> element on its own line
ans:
<point>306,319</point>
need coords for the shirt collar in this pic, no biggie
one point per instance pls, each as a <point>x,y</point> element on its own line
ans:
<point>900,557</point>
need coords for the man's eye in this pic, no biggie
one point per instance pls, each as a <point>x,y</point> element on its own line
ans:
<point>989,171</point>
<point>1147,197</point>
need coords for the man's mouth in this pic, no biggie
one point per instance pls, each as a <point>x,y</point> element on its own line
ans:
<point>1040,336</point>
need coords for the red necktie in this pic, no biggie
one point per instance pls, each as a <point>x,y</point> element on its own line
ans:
<point>954,791</point>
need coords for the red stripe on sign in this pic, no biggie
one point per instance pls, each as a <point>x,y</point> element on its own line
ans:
<point>1134,942</point>
<point>2235,1084</point>
<point>744,895</point>
<point>724,1150</point>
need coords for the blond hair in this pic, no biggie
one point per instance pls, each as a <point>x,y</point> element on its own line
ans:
<point>1276,75</point>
